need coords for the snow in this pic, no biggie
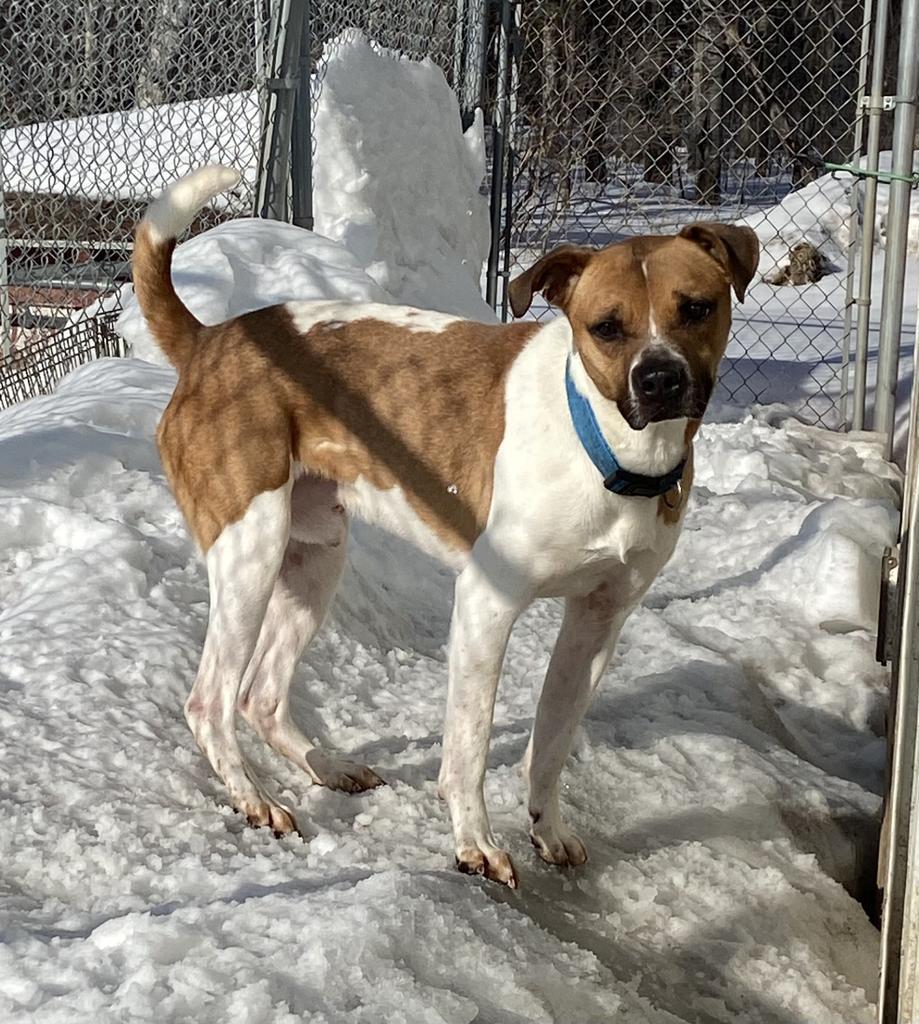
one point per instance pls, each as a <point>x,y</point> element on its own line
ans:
<point>402,193</point>
<point>250,264</point>
<point>727,778</point>
<point>132,153</point>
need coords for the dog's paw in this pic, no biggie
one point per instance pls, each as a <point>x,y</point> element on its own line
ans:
<point>488,861</point>
<point>267,813</point>
<point>337,773</point>
<point>558,845</point>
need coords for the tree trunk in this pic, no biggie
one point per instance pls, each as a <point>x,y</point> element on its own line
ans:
<point>706,130</point>
<point>165,40</point>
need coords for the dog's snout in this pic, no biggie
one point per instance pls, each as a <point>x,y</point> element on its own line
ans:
<point>660,379</point>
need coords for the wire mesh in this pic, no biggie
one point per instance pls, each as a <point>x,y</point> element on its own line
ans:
<point>451,34</point>
<point>36,369</point>
<point>103,104</point>
<point>641,116</point>
<point>630,118</point>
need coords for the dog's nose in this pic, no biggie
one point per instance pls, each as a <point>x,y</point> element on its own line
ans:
<point>660,378</point>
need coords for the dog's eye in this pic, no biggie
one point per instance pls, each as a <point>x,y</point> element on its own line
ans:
<point>694,310</point>
<point>607,330</point>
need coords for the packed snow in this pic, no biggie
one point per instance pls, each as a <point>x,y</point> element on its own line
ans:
<point>418,225</point>
<point>727,779</point>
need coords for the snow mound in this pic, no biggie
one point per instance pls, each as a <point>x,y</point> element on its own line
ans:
<point>247,264</point>
<point>818,213</point>
<point>401,191</point>
<point>821,213</point>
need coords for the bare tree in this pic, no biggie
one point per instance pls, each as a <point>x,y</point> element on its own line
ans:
<point>165,42</point>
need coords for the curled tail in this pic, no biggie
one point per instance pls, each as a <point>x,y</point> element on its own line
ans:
<point>170,321</point>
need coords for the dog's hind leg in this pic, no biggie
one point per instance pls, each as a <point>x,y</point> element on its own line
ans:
<point>302,594</point>
<point>242,564</point>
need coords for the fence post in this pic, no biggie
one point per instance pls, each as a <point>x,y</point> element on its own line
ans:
<point>6,319</point>
<point>862,302</point>
<point>301,170</point>
<point>897,223</point>
<point>271,193</point>
<point>499,146</point>
<point>898,869</point>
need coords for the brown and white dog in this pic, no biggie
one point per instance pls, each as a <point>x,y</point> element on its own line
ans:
<point>452,434</point>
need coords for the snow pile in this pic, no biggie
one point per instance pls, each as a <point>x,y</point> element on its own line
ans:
<point>821,213</point>
<point>246,264</point>
<point>726,780</point>
<point>396,180</point>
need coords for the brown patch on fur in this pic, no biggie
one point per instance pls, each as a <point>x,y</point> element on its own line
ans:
<point>172,324</point>
<point>423,411</point>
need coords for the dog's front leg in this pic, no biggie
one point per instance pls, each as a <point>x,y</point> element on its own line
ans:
<point>585,643</point>
<point>482,619</point>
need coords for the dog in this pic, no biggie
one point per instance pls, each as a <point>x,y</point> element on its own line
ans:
<point>535,459</point>
<point>806,265</point>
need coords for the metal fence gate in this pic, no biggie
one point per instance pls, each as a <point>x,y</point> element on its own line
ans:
<point>641,116</point>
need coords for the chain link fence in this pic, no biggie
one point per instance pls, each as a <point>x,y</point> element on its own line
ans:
<point>605,121</point>
<point>641,116</point>
<point>102,105</point>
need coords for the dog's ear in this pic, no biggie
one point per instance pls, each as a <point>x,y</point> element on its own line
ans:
<point>736,249</point>
<point>555,276</point>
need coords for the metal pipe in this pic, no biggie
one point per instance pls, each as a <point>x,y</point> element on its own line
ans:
<point>869,216</point>
<point>514,58</point>
<point>458,48</point>
<point>272,186</point>
<point>899,958</point>
<point>6,318</point>
<point>301,156</point>
<point>499,141</point>
<point>851,249</point>
<point>904,127</point>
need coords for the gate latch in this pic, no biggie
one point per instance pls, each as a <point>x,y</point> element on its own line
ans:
<point>888,607</point>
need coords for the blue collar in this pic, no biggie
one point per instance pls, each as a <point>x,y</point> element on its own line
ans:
<point>615,478</point>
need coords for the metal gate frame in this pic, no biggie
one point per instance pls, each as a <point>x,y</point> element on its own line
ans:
<point>898,634</point>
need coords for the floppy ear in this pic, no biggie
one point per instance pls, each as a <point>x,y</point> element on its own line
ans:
<point>736,249</point>
<point>555,276</point>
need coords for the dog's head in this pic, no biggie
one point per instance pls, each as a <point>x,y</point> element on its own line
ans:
<point>650,316</point>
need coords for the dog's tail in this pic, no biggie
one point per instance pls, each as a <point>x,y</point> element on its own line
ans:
<point>171,322</point>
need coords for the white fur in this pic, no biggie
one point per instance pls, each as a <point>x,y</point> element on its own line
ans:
<point>391,511</point>
<point>172,212</point>
<point>655,450</point>
<point>242,567</point>
<point>336,313</point>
